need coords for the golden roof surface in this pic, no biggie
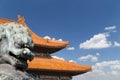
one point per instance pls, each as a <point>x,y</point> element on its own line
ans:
<point>54,64</point>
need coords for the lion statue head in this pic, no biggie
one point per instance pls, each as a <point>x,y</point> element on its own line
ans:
<point>15,44</point>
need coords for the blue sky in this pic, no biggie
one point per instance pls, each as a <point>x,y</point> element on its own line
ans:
<point>92,28</point>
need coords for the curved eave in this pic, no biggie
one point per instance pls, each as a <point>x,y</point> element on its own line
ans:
<point>46,45</point>
<point>44,49</point>
<point>41,45</point>
<point>42,64</point>
<point>54,72</point>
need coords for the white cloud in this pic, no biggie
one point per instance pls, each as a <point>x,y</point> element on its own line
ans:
<point>58,57</point>
<point>107,70</point>
<point>72,61</point>
<point>115,67</point>
<point>110,28</point>
<point>60,40</point>
<point>114,73</point>
<point>116,44</point>
<point>98,54</point>
<point>70,48</point>
<point>92,58</point>
<point>97,42</point>
<point>63,59</point>
<point>48,37</point>
<point>53,39</point>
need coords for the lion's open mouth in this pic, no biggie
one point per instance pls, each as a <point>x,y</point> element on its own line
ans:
<point>17,57</point>
<point>20,63</point>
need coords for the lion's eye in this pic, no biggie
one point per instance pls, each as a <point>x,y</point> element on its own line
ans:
<point>17,45</point>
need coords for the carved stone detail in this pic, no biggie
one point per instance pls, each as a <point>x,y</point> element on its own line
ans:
<point>15,49</point>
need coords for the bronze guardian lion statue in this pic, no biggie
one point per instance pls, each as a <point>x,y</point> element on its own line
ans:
<point>15,49</point>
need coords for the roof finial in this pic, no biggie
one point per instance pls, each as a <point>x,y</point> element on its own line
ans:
<point>21,19</point>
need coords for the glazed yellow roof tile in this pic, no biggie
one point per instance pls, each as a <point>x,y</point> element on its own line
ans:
<point>44,63</point>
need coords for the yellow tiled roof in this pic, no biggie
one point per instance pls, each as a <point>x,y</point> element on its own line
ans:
<point>53,64</point>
